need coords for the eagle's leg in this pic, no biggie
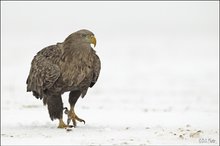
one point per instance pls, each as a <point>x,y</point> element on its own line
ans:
<point>55,108</point>
<point>73,97</point>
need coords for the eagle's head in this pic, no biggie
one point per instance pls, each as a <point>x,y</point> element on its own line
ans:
<point>82,36</point>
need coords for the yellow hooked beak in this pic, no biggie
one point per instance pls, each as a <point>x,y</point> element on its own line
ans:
<point>93,40</point>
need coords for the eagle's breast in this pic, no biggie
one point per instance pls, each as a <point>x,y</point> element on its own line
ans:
<point>76,67</point>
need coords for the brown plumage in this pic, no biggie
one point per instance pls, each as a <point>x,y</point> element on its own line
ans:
<point>69,66</point>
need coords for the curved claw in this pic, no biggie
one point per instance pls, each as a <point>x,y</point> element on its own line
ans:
<point>66,111</point>
<point>80,120</point>
<point>70,126</point>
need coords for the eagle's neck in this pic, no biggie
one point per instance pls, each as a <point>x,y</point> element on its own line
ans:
<point>80,52</point>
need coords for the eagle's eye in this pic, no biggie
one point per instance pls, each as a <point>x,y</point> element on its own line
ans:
<point>83,35</point>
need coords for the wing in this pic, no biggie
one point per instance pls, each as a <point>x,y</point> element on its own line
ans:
<point>43,73</point>
<point>96,70</point>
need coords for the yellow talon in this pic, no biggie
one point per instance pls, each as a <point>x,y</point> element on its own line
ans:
<point>74,117</point>
<point>62,124</point>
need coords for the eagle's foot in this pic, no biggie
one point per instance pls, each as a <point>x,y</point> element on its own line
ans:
<point>72,116</point>
<point>62,124</point>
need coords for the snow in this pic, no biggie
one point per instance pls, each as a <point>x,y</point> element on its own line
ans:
<point>159,81</point>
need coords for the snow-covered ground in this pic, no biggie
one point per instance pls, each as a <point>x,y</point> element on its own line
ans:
<point>158,84</point>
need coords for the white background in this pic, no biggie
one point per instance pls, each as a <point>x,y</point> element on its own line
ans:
<point>159,70</point>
